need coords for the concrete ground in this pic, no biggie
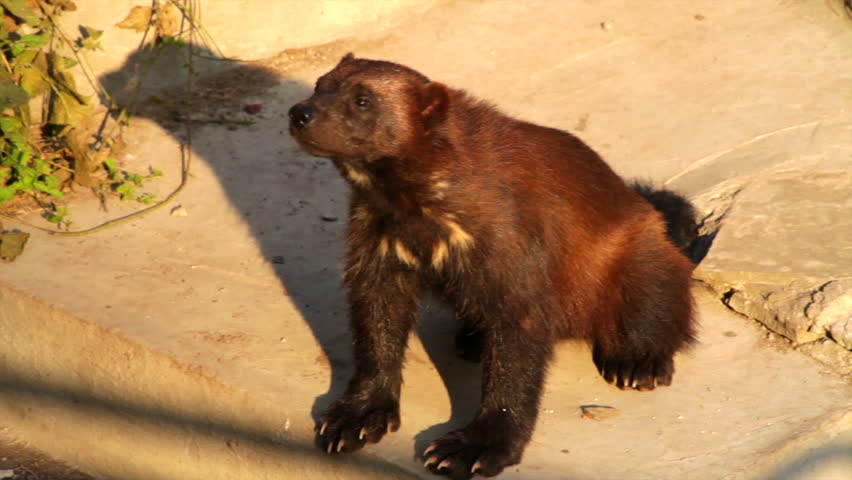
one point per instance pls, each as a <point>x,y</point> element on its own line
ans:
<point>200,346</point>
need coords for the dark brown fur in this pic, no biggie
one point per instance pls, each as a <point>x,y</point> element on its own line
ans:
<point>523,229</point>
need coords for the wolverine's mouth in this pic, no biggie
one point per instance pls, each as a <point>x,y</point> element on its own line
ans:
<point>308,145</point>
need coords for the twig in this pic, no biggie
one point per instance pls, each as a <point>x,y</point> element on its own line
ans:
<point>6,63</point>
<point>81,59</point>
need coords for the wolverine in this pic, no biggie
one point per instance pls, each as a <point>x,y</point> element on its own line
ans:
<point>524,230</point>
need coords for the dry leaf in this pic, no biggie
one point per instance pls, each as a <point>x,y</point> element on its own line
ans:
<point>12,245</point>
<point>168,20</point>
<point>138,19</point>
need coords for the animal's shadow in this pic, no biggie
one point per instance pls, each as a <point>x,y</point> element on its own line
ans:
<point>294,204</point>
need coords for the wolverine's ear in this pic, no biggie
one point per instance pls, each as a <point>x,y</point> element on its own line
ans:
<point>346,58</point>
<point>434,101</point>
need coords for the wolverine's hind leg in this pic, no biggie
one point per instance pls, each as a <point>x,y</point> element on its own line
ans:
<point>651,321</point>
<point>634,370</point>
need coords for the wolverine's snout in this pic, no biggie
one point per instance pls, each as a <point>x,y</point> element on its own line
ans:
<point>301,115</point>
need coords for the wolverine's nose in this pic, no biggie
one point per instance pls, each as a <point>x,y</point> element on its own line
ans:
<point>301,115</point>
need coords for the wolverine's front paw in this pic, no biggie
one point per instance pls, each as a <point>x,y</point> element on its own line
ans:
<point>476,449</point>
<point>353,420</point>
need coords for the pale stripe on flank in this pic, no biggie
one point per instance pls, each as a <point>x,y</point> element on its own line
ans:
<point>439,254</point>
<point>383,247</point>
<point>458,237</point>
<point>405,255</point>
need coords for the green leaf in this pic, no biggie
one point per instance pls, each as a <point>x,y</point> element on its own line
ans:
<point>66,62</point>
<point>17,48</point>
<point>20,9</point>
<point>176,42</point>
<point>12,129</point>
<point>48,186</point>
<point>126,191</point>
<point>135,178</point>
<point>11,95</point>
<point>33,79</point>
<point>90,38</point>
<point>57,215</point>
<point>155,172</point>
<point>63,80</point>
<point>145,198</point>
<point>68,111</point>
<point>51,181</point>
<point>34,39</point>
<point>123,117</point>
<point>110,166</point>
<point>26,58</point>
<point>7,193</point>
<point>10,125</point>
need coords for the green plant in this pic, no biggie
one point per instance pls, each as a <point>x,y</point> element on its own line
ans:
<point>46,145</point>
<point>27,71</point>
<point>47,153</point>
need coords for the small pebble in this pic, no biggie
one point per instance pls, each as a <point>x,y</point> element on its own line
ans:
<point>599,412</point>
<point>179,211</point>
<point>279,259</point>
<point>329,218</point>
<point>606,26</point>
<point>699,17</point>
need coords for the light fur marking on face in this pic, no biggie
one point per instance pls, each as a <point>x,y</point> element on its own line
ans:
<point>438,189</point>
<point>357,177</point>
<point>405,255</point>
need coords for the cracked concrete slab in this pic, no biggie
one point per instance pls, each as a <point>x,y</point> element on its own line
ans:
<point>203,344</point>
<point>781,252</point>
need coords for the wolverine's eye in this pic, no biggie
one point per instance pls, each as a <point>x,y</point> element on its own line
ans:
<point>362,101</point>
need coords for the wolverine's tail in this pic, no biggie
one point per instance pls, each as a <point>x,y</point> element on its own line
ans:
<point>679,214</point>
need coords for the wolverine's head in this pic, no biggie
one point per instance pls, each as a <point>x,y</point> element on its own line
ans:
<point>367,109</point>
